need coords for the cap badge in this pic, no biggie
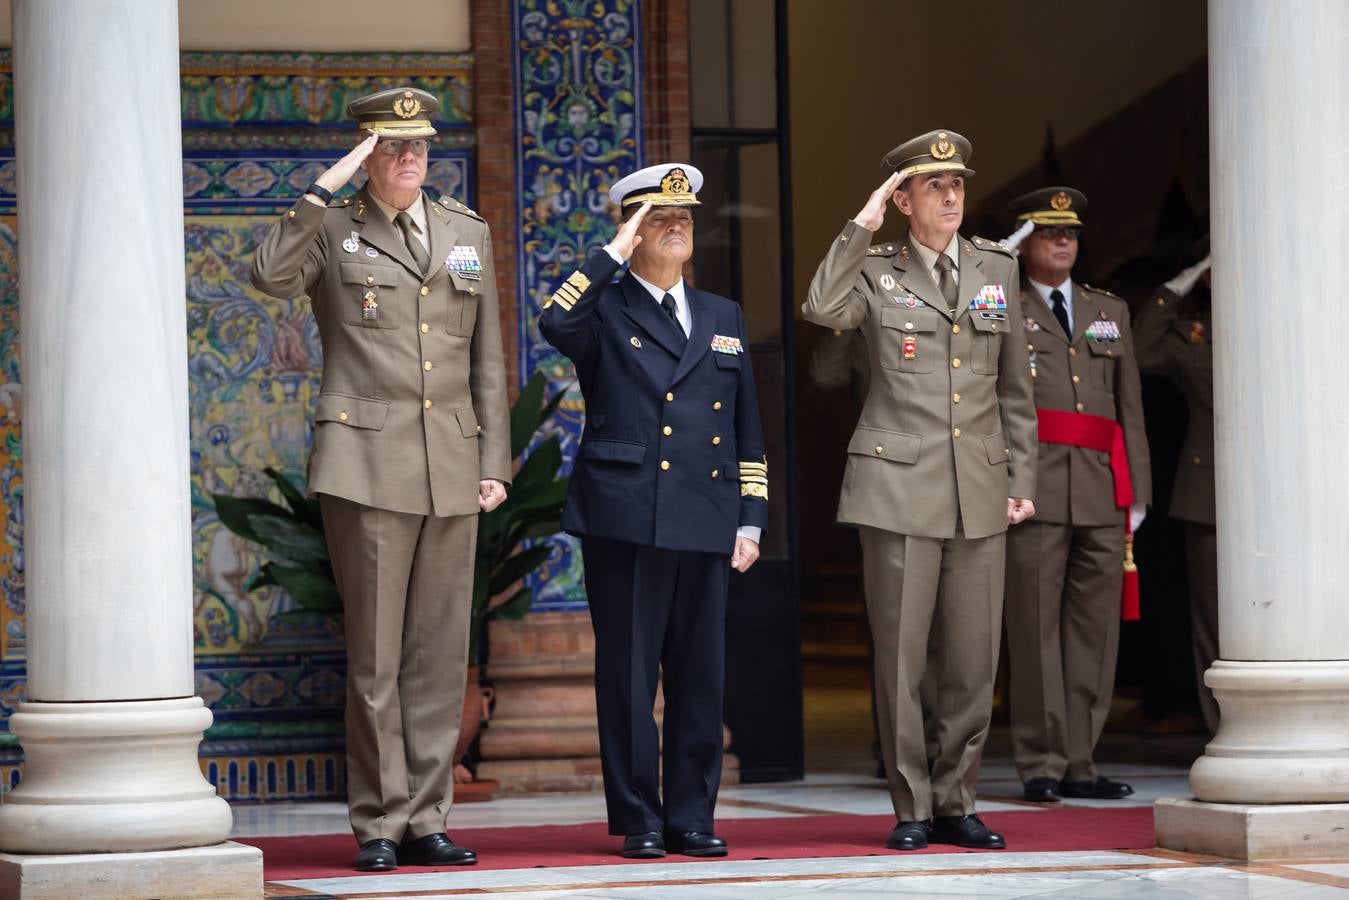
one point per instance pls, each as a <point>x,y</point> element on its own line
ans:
<point>942,148</point>
<point>407,106</point>
<point>675,182</point>
<point>1061,201</point>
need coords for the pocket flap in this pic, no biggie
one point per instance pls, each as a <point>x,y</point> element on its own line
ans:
<point>727,360</point>
<point>996,447</point>
<point>468,421</point>
<point>357,412</point>
<point>896,446</point>
<point>463,283</point>
<point>1105,348</point>
<point>909,320</point>
<point>364,273</point>
<point>987,321</point>
<point>614,451</point>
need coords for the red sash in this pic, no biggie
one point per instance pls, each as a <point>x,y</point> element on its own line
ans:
<point>1105,436</point>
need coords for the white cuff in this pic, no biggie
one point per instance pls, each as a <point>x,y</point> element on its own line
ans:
<point>1137,513</point>
<point>608,248</point>
<point>751,532</point>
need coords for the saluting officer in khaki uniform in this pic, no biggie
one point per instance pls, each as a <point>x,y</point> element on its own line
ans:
<point>939,464</point>
<point>1179,343</point>
<point>411,440</point>
<point>1065,569</point>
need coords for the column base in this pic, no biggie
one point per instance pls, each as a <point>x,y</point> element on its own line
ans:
<point>116,777</point>
<point>1243,831</point>
<point>228,871</point>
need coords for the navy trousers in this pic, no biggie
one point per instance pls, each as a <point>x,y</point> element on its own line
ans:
<point>656,611</point>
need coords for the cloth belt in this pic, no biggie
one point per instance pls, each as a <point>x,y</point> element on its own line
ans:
<point>1104,435</point>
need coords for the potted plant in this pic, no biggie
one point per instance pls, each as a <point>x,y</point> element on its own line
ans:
<point>292,536</point>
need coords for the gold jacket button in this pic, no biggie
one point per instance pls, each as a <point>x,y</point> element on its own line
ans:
<point>715,473</point>
<point>955,432</point>
<point>1197,460</point>
<point>908,325</point>
<point>472,290</point>
<point>425,328</point>
<point>667,431</point>
<point>1072,351</point>
<point>1076,379</point>
<point>665,465</point>
<point>955,363</point>
<point>1161,302</point>
<point>426,404</point>
<point>370,279</point>
<point>1080,407</point>
<point>879,449</point>
<point>717,405</point>
<point>342,416</point>
<point>1030,347</point>
<point>955,398</point>
<point>427,365</point>
<point>669,398</point>
<point>479,429</point>
<point>955,329</point>
<point>291,215</point>
<point>425,290</point>
<point>716,441</point>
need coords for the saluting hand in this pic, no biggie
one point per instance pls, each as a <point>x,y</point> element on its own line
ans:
<point>1019,510</point>
<point>627,238</point>
<point>872,216</point>
<point>336,178</point>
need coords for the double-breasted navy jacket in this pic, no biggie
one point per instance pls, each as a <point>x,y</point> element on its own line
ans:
<point>672,453</point>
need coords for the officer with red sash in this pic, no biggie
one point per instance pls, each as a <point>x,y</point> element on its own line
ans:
<point>1066,568</point>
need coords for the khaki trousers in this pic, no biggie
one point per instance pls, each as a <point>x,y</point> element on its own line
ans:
<point>1201,563</point>
<point>406,583</point>
<point>1062,611</point>
<point>949,590</point>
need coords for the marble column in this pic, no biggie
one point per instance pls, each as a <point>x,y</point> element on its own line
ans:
<point>110,728</point>
<point>1274,782</point>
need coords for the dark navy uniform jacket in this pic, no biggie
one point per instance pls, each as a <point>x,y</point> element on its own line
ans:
<point>672,454</point>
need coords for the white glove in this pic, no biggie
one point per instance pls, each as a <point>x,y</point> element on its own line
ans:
<point>1013,240</point>
<point>1183,283</point>
<point>1137,513</point>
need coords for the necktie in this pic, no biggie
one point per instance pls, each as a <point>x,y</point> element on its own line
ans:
<point>419,254</point>
<point>1061,311</point>
<point>947,283</point>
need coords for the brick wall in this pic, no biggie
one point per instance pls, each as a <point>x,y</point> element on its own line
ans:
<point>665,79</point>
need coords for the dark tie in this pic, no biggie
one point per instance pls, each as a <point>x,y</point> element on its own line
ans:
<point>419,254</point>
<point>1061,311</point>
<point>947,283</point>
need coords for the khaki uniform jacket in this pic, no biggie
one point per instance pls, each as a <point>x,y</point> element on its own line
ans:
<point>948,428</point>
<point>413,409</point>
<point>1182,347</point>
<point>1087,375</point>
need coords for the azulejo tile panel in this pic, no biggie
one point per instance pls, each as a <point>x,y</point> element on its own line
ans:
<point>578,129</point>
<point>257,129</point>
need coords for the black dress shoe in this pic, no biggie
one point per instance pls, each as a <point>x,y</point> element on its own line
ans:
<point>695,843</point>
<point>647,845</point>
<point>379,855</point>
<point>434,850</point>
<point>1100,789</point>
<point>965,831</point>
<point>1041,790</point>
<point>908,836</point>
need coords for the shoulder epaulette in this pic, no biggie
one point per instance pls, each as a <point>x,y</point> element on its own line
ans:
<point>986,244</point>
<point>339,204</point>
<point>882,249</point>
<point>454,205</point>
<point>1096,290</point>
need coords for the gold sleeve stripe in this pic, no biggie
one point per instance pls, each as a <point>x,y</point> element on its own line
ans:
<point>754,490</point>
<point>579,281</point>
<point>753,469</point>
<point>560,299</point>
<point>570,291</point>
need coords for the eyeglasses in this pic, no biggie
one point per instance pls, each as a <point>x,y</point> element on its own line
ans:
<point>1053,234</point>
<point>418,146</point>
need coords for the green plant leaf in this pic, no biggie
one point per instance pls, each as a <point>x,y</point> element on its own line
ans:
<point>305,509</point>
<point>513,568</point>
<point>286,537</point>
<point>525,411</point>
<point>315,593</point>
<point>234,513</point>
<point>539,468</point>
<point>515,608</point>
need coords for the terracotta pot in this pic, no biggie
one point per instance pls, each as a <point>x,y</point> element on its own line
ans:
<point>477,709</point>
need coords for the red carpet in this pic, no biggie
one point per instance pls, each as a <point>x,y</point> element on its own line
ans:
<point>786,837</point>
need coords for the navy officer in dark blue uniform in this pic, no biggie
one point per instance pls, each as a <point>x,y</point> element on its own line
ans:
<point>669,493</point>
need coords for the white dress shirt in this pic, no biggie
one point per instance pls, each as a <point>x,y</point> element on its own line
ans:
<point>1067,287</point>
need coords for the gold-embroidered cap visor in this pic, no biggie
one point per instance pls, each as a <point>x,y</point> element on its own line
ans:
<point>1052,207</point>
<point>403,112</point>
<point>667,184</point>
<point>935,151</point>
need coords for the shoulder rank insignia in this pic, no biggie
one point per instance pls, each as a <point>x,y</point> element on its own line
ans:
<point>986,244</point>
<point>1096,290</point>
<point>881,250</point>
